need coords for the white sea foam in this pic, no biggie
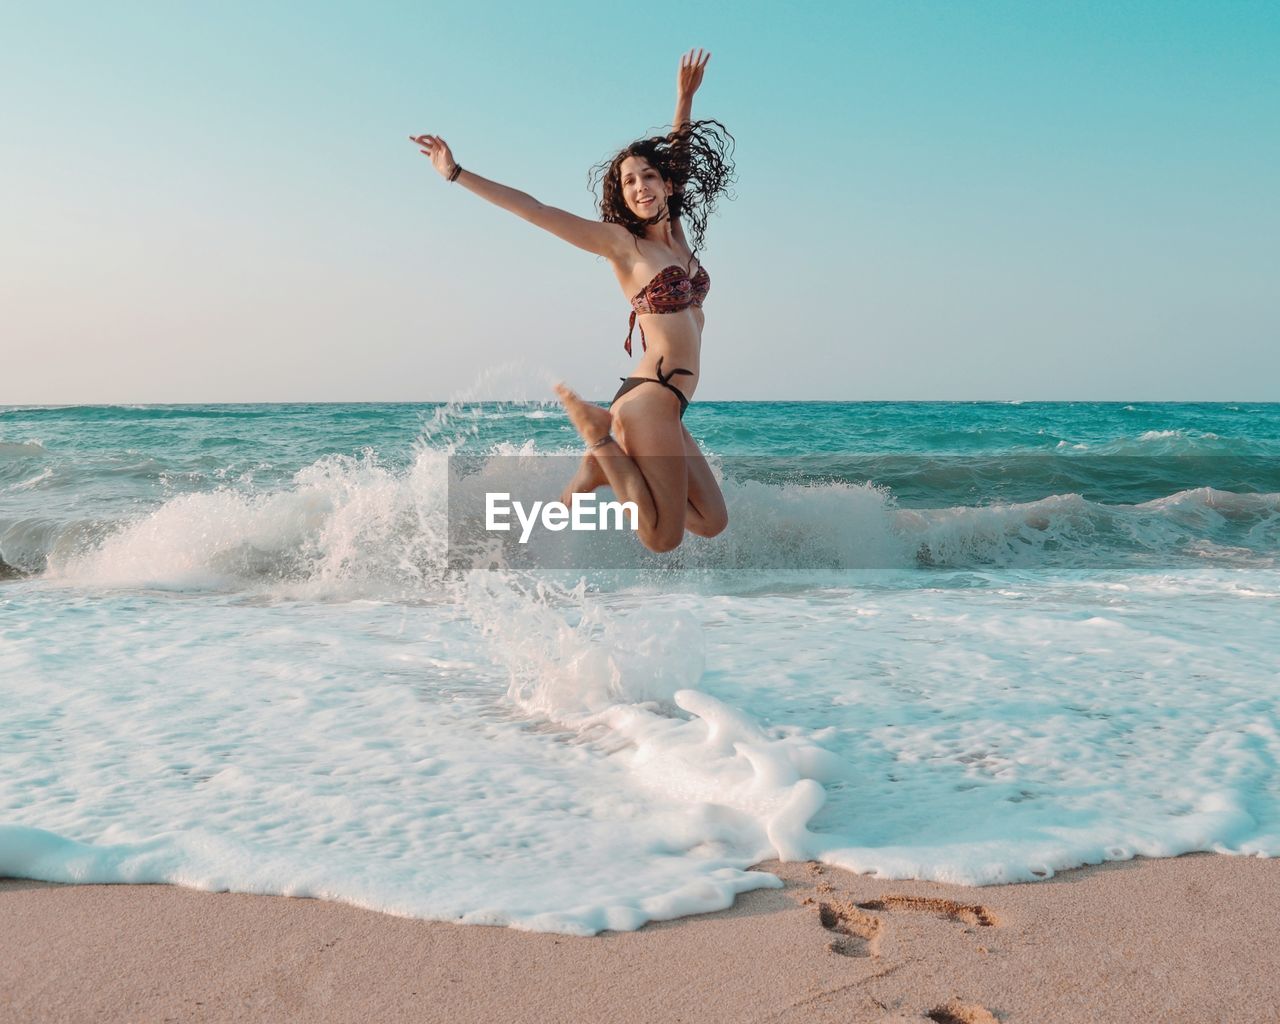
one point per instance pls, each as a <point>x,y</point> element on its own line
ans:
<point>575,761</point>
<point>18,449</point>
<point>32,482</point>
<point>345,526</point>
<point>1174,442</point>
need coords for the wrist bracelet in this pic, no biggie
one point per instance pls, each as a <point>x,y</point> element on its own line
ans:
<point>457,169</point>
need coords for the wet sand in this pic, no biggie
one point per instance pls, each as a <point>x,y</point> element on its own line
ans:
<point>1194,939</point>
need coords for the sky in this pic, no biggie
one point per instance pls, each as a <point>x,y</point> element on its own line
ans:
<point>934,200</point>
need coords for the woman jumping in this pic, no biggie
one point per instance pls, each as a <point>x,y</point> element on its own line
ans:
<point>639,446</point>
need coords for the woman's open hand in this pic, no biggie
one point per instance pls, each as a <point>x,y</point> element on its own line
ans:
<point>438,150</point>
<point>689,77</point>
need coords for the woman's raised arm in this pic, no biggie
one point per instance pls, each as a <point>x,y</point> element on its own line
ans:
<point>688,78</point>
<point>593,235</point>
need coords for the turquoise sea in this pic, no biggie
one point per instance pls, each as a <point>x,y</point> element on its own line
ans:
<point>974,642</point>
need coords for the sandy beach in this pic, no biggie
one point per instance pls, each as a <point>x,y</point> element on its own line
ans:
<point>1188,939</point>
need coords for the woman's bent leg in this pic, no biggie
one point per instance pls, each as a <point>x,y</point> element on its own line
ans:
<point>706,515</point>
<point>651,470</point>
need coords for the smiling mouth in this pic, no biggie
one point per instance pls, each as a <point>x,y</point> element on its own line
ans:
<point>644,202</point>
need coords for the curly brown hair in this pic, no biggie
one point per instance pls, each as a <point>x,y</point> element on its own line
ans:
<point>696,158</point>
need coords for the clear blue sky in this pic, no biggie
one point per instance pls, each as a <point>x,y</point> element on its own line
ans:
<point>936,200</point>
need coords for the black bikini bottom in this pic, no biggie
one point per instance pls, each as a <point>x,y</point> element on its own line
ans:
<point>662,378</point>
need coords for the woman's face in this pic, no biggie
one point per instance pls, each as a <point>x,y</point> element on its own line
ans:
<point>643,189</point>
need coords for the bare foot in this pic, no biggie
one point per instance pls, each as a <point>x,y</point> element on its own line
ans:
<point>588,477</point>
<point>591,421</point>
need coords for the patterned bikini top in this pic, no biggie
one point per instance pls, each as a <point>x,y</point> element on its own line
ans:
<point>670,291</point>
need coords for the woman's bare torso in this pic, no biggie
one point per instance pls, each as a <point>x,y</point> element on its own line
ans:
<point>675,338</point>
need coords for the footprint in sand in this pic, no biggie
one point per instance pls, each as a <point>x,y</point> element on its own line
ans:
<point>956,1012</point>
<point>965,913</point>
<point>857,934</point>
